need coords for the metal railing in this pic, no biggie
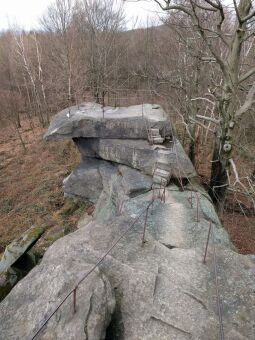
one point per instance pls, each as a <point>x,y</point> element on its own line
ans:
<point>100,260</point>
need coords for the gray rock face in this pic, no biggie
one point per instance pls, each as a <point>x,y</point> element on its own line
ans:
<point>18,247</point>
<point>92,176</point>
<point>85,181</point>
<point>16,261</point>
<point>90,120</point>
<point>134,182</point>
<point>35,297</point>
<point>162,289</point>
<point>137,154</point>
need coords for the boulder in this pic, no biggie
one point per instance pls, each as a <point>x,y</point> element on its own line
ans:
<point>19,246</point>
<point>91,176</point>
<point>17,260</point>
<point>134,182</point>
<point>137,154</point>
<point>91,120</point>
<point>85,180</point>
<point>39,293</point>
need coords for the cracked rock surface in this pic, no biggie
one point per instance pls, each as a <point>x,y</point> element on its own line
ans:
<point>158,290</point>
<point>162,290</point>
<point>38,294</point>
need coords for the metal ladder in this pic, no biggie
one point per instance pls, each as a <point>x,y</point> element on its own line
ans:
<point>161,178</point>
<point>154,136</point>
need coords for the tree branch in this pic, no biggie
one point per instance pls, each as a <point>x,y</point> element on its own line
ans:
<point>215,121</point>
<point>247,75</point>
<point>249,16</point>
<point>237,12</point>
<point>249,101</point>
<point>200,124</point>
<point>168,7</point>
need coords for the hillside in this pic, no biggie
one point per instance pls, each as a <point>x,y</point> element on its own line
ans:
<point>31,186</point>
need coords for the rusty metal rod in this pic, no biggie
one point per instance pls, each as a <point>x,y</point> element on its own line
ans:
<point>74,300</point>
<point>90,271</point>
<point>197,208</point>
<point>221,326</point>
<point>145,225</point>
<point>190,199</point>
<point>207,242</point>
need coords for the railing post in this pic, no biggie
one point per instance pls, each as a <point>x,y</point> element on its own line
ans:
<point>207,242</point>
<point>145,225</point>
<point>191,199</point>
<point>197,208</point>
<point>74,300</point>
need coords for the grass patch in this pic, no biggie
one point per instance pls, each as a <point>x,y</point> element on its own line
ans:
<point>6,205</point>
<point>74,207</point>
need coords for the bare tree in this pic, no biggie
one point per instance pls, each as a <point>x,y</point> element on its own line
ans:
<point>11,101</point>
<point>57,22</point>
<point>100,23</point>
<point>233,94</point>
<point>29,73</point>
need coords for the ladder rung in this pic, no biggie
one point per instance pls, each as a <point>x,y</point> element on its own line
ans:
<point>164,166</point>
<point>154,130</point>
<point>162,172</point>
<point>158,140</point>
<point>159,180</point>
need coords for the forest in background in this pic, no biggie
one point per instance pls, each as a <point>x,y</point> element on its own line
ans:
<point>198,64</point>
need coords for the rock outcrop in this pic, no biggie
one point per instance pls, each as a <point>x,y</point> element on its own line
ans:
<point>16,260</point>
<point>155,290</point>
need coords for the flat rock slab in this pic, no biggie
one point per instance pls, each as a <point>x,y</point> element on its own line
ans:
<point>137,154</point>
<point>92,176</point>
<point>19,247</point>
<point>90,120</point>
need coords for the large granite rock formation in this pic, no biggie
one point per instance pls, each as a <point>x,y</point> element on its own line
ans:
<point>155,290</point>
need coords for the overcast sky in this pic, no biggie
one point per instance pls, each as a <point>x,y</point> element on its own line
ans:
<point>25,13</point>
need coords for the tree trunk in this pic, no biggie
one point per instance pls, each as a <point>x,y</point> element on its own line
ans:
<point>221,157</point>
<point>219,179</point>
<point>192,144</point>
